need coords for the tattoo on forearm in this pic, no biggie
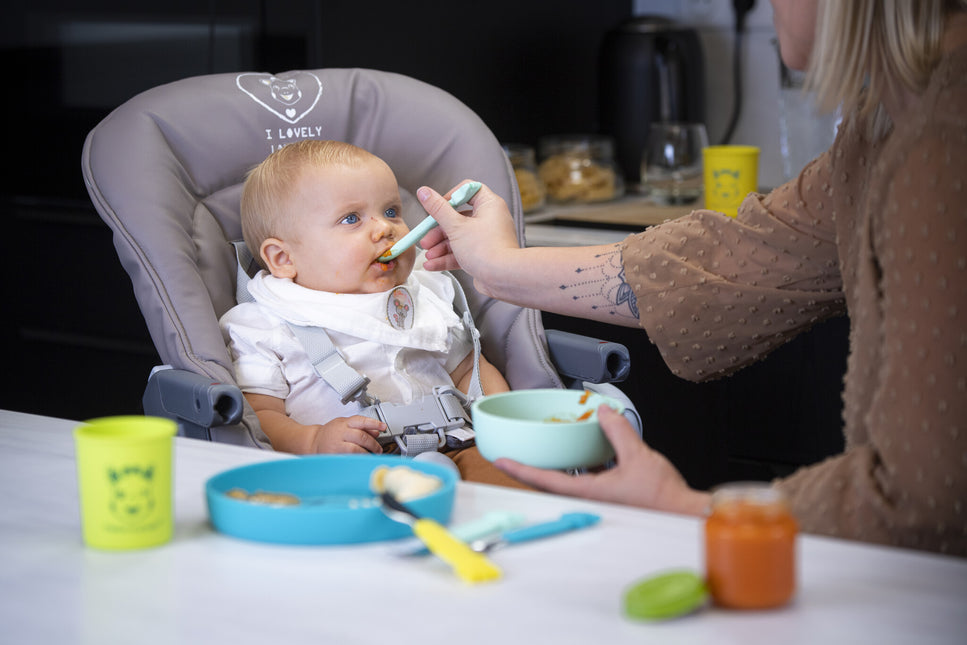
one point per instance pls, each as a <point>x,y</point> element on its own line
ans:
<point>604,285</point>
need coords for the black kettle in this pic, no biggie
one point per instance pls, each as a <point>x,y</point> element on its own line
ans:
<point>649,69</point>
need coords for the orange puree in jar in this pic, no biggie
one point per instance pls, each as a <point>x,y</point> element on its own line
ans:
<point>750,547</point>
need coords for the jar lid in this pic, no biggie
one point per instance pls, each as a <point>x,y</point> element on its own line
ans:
<point>761,494</point>
<point>597,145</point>
<point>666,595</point>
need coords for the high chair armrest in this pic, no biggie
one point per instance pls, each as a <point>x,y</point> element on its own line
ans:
<point>194,401</point>
<point>630,411</point>
<point>583,358</point>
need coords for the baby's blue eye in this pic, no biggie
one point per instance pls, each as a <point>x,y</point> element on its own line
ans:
<point>352,218</point>
<point>391,213</point>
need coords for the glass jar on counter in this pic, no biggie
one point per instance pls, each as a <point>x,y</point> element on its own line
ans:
<point>524,162</point>
<point>579,168</point>
<point>750,547</point>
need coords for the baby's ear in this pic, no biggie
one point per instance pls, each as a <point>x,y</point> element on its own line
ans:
<point>274,253</point>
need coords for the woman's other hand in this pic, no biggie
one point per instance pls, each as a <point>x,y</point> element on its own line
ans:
<point>642,477</point>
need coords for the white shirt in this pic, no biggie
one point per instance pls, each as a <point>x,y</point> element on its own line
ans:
<point>403,361</point>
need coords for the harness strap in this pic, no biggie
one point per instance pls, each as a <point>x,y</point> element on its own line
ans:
<point>248,267</point>
<point>329,364</point>
<point>415,444</point>
<point>475,391</point>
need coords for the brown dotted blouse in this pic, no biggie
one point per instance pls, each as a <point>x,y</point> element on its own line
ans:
<point>875,229</point>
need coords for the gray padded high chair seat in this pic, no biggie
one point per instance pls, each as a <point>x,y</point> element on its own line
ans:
<point>165,171</point>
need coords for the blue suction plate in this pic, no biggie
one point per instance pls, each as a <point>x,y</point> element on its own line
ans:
<point>336,507</point>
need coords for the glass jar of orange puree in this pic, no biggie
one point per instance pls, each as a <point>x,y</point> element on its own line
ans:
<point>750,547</point>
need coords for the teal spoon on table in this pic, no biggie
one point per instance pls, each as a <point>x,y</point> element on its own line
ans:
<point>567,522</point>
<point>460,197</point>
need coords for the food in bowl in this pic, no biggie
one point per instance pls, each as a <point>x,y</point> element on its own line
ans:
<point>546,428</point>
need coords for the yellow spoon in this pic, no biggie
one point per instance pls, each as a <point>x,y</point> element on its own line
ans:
<point>469,565</point>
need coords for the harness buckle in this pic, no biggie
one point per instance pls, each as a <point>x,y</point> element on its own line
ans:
<point>440,413</point>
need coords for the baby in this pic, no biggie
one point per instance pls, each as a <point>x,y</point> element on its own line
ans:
<point>318,215</point>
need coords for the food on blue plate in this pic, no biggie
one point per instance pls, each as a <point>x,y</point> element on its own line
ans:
<point>263,497</point>
<point>403,483</point>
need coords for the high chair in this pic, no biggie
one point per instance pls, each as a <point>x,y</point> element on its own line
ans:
<point>165,172</point>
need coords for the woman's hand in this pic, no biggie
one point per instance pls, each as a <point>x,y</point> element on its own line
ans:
<point>475,242</point>
<point>642,476</point>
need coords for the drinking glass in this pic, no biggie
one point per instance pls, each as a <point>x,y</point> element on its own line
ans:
<point>671,167</point>
<point>804,131</point>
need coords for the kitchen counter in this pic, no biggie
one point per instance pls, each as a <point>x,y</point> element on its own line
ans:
<point>599,223</point>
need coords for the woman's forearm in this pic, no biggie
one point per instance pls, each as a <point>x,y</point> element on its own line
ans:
<point>585,281</point>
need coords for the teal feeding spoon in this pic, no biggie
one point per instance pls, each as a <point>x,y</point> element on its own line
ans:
<point>460,197</point>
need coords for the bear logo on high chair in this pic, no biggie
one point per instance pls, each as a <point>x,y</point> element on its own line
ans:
<point>289,97</point>
<point>132,494</point>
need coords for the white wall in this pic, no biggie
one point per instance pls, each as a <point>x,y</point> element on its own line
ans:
<point>758,123</point>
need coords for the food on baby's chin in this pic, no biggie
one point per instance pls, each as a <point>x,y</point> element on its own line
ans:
<point>263,497</point>
<point>403,483</point>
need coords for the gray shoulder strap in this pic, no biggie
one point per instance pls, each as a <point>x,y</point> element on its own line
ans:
<point>475,391</point>
<point>331,366</point>
<point>246,270</point>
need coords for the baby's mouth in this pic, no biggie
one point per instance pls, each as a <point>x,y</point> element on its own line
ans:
<point>385,266</point>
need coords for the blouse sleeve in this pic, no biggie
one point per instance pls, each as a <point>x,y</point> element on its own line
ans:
<point>716,293</point>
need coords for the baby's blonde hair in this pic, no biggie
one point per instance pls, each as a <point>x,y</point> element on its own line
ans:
<point>866,48</point>
<point>267,187</point>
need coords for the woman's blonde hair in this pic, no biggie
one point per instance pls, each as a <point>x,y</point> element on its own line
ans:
<point>865,49</point>
<point>268,185</point>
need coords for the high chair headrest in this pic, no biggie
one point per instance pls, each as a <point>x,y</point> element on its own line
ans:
<point>165,171</point>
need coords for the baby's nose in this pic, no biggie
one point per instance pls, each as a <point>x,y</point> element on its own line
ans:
<point>381,228</point>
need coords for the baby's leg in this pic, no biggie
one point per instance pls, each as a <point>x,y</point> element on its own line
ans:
<point>474,468</point>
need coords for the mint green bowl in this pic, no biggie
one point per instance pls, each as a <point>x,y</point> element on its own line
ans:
<point>540,428</point>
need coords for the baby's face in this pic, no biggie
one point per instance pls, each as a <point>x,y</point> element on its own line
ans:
<point>344,219</point>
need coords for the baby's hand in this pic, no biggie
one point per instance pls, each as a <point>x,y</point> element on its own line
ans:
<point>356,434</point>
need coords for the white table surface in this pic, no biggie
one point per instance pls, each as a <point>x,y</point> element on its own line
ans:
<point>205,587</point>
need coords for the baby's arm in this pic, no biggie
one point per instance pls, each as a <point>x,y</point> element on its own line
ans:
<point>490,378</point>
<point>341,435</point>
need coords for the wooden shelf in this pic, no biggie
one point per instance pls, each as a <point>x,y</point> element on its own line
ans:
<point>633,211</point>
